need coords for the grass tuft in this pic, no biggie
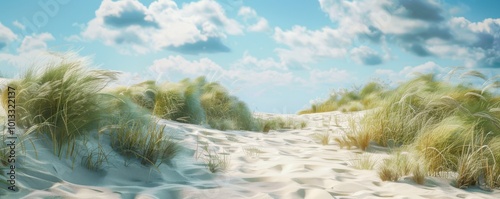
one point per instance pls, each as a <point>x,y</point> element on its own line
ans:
<point>364,162</point>
<point>63,99</point>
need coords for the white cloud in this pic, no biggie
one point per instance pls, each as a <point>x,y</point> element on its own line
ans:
<point>245,75</point>
<point>260,26</point>
<point>19,25</point>
<point>32,51</point>
<point>326,42</point>
<point>178,63</point>
<point>161,25</point>
<point>247,12</point>
<point>428,67</point>
<point>423,28</point>
<point>410,72</point>
<point>6,36</point>
<point>254,22</point>
<point>365,55</point>
<point>332,75</point>
<point>35,42</point>
<point>261,64</point>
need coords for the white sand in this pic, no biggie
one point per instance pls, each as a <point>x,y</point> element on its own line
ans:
<point>288,164</point>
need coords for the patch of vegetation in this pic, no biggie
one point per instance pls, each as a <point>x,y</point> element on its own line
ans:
<point>145,141</point>
<point>451,127</point>
<point>354,135</point>
<point>192,101</point>
<point>276,123</point>
<point>364,162</point>
<point>365,98</point>
<point>62,100</point>
<point>215,161</point>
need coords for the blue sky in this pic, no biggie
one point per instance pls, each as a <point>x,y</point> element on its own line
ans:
<point>276,55</point>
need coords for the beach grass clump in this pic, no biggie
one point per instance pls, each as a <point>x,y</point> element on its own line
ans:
<point>323,138</point>
<point>94,159</point>
<point>364,162</point>
<point>192,101</point>
<point>142,94</point>
<point>395,167</point>
<point>419,173</point>
<point>354,135</point>
<point>215,161</point>
<point>156,147</point>
<point>225,112</point>
<point>252,151</point>
<point>277,123</point>
<point>344,100</point>
<point>144,140</point>
<point>62,99</point>
<point>452,127</point>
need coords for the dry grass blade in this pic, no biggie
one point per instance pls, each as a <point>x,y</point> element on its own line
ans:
<point>474,73</point>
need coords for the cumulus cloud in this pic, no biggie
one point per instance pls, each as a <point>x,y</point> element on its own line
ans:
<point>306,44</point>
<point>245,75</point>
<point>332,75</point>
<point>6,36</point>
<point>423,28</point>
<point>132,26</point>
<point>179,64</point>
<point>261,64</point>
<point>31,51</point>
<point>255,23</point>
<point>365,55</point>
<point>35,42</point>
<point>19,25</point>
<point>211,45</point>
<point>410,72</point>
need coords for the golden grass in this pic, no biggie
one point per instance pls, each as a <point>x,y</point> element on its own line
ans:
<point>323,138</point>
<point>451,128</point>
<point>364,162</point>
<point>354,135</point>
<point>347,101</point>
<point>62,99</point>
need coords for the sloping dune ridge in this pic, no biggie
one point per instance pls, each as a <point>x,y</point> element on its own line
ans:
<point>279,164</point>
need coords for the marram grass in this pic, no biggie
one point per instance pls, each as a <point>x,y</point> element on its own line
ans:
<point>349,101</point>
<point>450,127</point>
<point>192,101</point>
<point>62,99</point>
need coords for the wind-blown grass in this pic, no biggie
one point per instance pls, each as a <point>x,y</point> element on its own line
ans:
<point>63,99</point>
<point>354,135</point>
<point>214,161</point>
<point>364,162</point>
<point>192,101</point>
<point>276,123</point>
<point>94,159</point>
<point>142,139</point>
<point>348,101</point>
<point>452,128</point>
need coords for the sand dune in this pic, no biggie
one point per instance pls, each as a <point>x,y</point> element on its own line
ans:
<point>280,164</point>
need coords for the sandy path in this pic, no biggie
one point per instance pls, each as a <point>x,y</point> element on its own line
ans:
<point>280,164</point>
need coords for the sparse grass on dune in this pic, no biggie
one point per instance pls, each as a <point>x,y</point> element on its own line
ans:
<point>354,135</point>
<point>216,161</point>
<point>364,162</point>
<point>62,100</point>
<point>192,101</point>
<point>349,101</point>
<point>224,111</point>
<point>397,166</point>
<point>94,159</point>
<point>142,139</point>
<point>452,128</point>
<point>323,138</point>
<point>277,123</point>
